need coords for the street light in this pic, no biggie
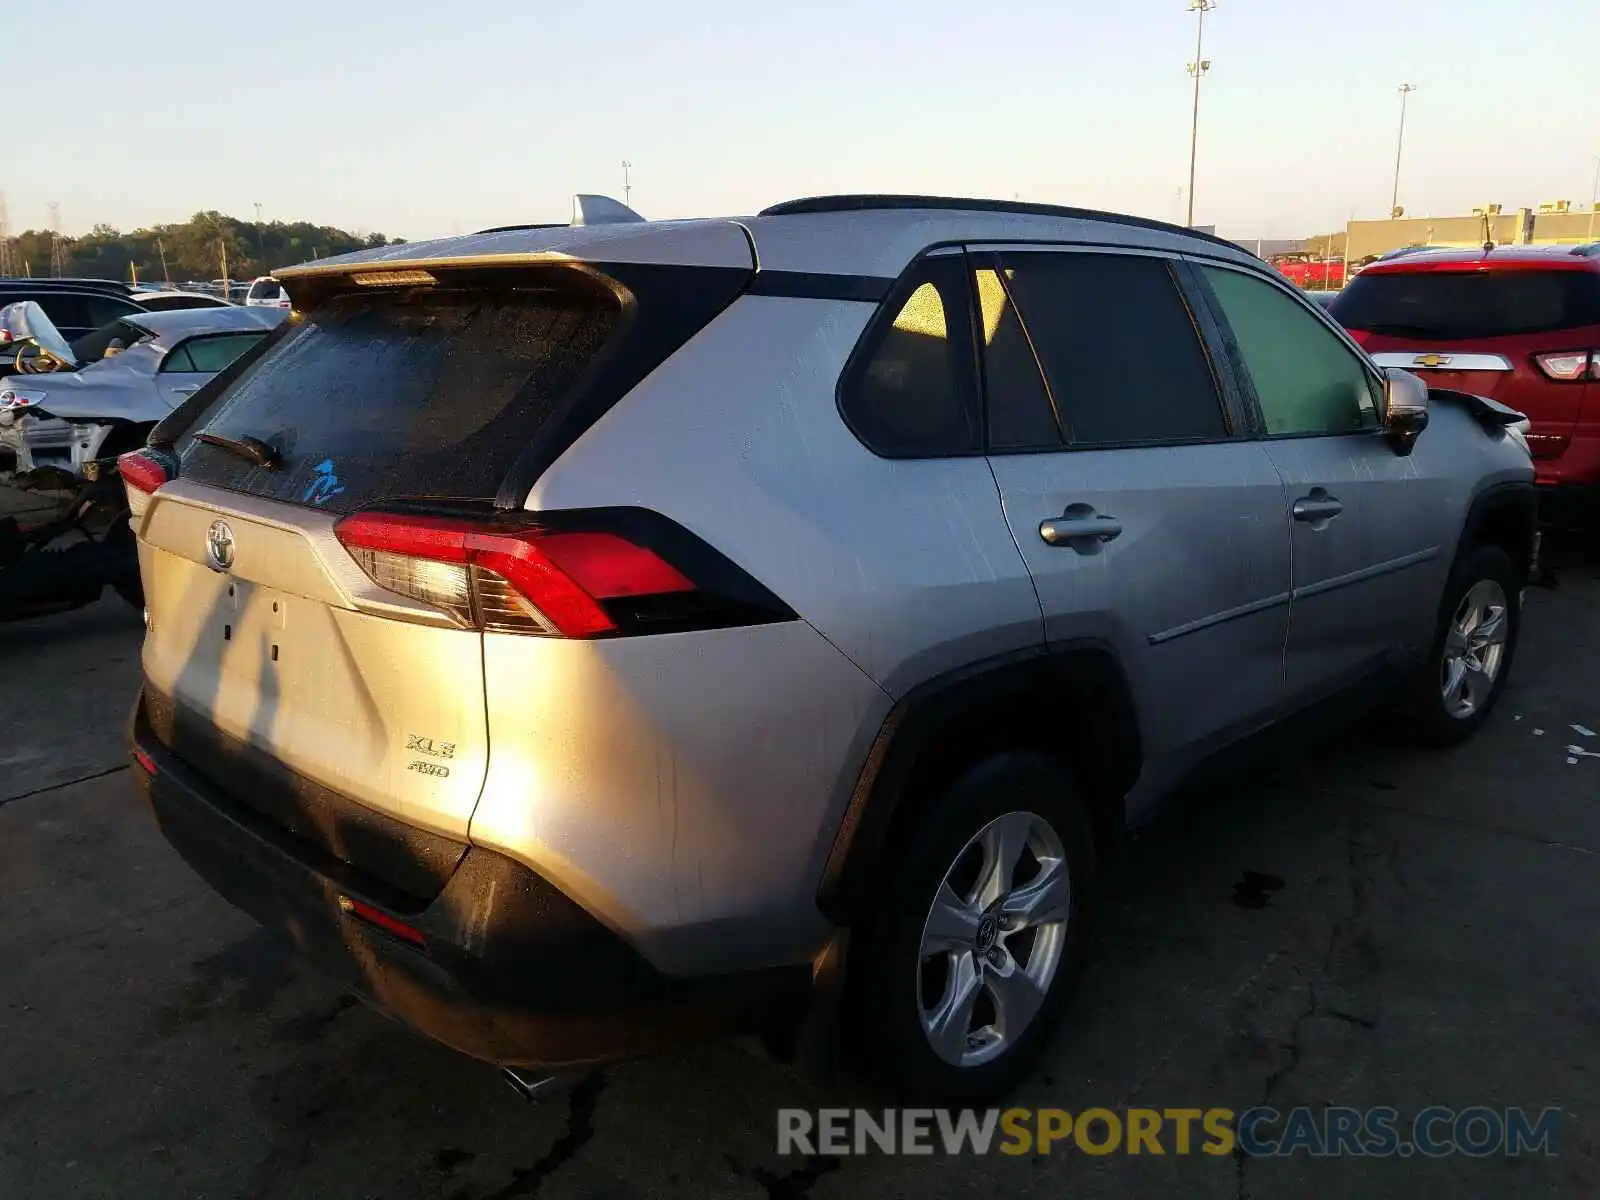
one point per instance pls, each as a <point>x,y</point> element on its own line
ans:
<point>627,187</point>
<point>1197,68</point>
<point>1394,200</point>
<point>1594,196</point>
<point>261,239</point>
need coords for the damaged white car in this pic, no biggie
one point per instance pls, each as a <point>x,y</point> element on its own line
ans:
<point>62,405</point>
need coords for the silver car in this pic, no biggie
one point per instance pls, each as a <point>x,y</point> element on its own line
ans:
<point>112,385</point>
<point>587,639</point>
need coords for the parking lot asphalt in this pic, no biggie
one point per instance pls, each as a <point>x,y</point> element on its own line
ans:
<point>1436,940</point>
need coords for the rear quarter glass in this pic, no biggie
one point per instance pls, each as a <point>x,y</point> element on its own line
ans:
<point>428,392</point>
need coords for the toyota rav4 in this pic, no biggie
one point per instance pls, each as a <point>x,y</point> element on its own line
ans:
<point>587,639</point>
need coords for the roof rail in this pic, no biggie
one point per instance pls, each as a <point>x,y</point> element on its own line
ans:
<point>878,203</point>
<point>57,281</point>
<point>520,228</point>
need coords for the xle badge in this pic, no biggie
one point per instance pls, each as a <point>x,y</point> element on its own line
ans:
<point>417,744</point>
<point>426,745</point>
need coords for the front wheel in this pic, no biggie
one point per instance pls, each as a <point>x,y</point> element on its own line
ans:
<point>1465,673</point>
<point>973,947</point>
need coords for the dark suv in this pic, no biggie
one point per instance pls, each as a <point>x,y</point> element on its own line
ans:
<point>1519,324</point>
<point>74,306</point>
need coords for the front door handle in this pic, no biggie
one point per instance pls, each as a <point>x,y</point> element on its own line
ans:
<point>185,391</point>
<point>1080,527</point>
<point>1317,507</point>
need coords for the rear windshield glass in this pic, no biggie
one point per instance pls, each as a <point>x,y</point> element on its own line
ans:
<point>1452,305</point>
<point>430,393</point>
<point>264,289</point>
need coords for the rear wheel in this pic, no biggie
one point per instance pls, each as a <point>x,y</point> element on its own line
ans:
<point>973,949</point>
<point>1465,673</point>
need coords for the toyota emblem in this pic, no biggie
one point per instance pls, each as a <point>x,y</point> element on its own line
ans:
<point>219,546</point>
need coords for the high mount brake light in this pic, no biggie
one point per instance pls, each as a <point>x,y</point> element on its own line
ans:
<point>1568,365</point>
<point>509,579</point>
<point>140,471</point>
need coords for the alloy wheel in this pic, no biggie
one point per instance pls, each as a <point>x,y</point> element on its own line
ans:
<point>1474,649</point>
<point>993,939</point>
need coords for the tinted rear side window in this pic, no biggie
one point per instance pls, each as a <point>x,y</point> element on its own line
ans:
<point>210,354</point>
<point>912,391</point>
<point>1453,305</point>
<point>1120,351</point>
<point>430,393</point>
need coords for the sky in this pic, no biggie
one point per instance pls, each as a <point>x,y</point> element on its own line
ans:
<point>426,119</point>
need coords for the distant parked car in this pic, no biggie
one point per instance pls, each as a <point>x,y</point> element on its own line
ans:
<point>267,292</point>
<point>137,369</point>
<point>1519,324</point>
<point>74,306</point>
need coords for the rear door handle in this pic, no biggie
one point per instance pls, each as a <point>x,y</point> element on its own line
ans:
<point>1318,506</point>
<point>1080,527</point>
<point>185,391</point>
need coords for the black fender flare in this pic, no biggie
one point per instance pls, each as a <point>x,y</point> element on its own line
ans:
<point>915,723</point>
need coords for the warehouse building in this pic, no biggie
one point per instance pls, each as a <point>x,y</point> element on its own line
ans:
<point>1555,224</point>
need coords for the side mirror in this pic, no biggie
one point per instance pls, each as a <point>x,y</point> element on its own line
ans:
<point>1405,408</point>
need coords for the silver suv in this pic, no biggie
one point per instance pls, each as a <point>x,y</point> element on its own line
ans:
<point>585,639</point>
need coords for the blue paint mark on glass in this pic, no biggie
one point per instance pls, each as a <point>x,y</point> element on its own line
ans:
<point>324,486</point>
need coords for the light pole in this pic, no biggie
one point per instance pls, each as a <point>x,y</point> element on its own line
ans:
<point>1399,144</point>
<point>627,186</point>
<point>261,239</point>
<point>1594,196</point>
<point>1197,68</point>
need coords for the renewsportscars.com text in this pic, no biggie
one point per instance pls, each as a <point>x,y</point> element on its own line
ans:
<point>1382,1132</point>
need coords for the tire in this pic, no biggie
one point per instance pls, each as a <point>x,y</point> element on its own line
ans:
<point>1427,715</point>
<point>1013,799</point>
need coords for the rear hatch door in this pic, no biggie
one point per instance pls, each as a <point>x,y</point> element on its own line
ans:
<point>270,648</point>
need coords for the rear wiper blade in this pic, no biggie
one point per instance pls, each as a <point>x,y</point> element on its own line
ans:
<point>253,449</point>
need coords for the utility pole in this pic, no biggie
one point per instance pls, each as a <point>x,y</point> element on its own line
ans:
<point>58,252</point>
<point>627,184</point>
<point>261,239</point>
<point>1399,145</point>
<point>1197,68</point>
<point>161,251</point>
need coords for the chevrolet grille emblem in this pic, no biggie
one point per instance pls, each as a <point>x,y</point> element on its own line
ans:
<point>1430,360</point>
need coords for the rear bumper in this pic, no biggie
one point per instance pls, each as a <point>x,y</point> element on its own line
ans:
<point>511,971</point>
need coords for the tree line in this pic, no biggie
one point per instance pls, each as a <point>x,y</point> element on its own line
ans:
<point>193,250</point>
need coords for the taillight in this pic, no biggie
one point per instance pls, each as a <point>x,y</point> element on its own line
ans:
<point>535,579</point>
<point>1568,366</point>
<point>140,471</point>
